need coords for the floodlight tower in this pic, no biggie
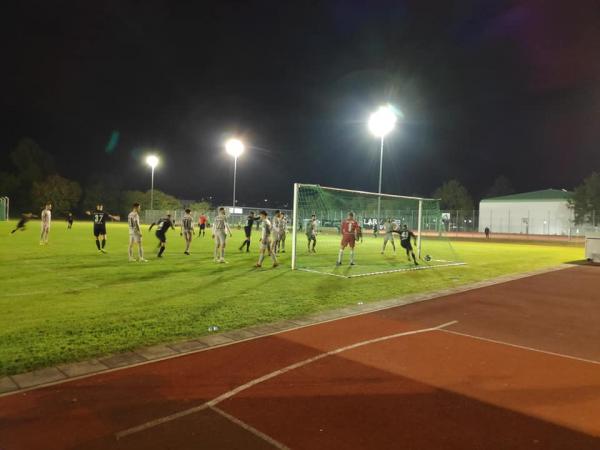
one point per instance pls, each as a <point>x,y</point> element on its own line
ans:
<point>381,123</point>
<point>152,161</point>
<point>235,148</point>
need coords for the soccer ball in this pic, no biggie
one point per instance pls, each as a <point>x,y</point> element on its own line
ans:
<point>427,258</point>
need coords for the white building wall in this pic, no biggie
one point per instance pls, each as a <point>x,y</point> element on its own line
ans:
<point>525,217</point>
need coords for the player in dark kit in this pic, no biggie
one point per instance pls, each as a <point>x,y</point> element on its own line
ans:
<point>248,230</point>
<point>69,221</point>
<point>162,226</point>
<point>405,237</point>
<point>25,217</point>
<point>100,217</point>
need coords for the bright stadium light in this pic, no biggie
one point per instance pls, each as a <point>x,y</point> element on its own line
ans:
<point>235,148</point>
<point>152,161</point>
<point>381,122</point>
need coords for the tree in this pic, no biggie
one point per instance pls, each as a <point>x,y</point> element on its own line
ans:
<point>163,201</point>
<point>501,186</point>
<point>64,194</point>
<point>200,206</point>
<point>586,200</point>
<point>101,193</point>
<point>454,196</point>
<point>128,198</point>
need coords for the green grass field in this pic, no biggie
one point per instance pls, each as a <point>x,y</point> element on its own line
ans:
<point>65,301</point>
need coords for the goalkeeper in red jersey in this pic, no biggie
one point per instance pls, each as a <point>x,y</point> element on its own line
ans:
<point>351,232</point>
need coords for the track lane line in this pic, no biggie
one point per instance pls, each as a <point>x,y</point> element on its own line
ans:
<point>250,428</point>
<point>214,402</point>
<point>522,347</point>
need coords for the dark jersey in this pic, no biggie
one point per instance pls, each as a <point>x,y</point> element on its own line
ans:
<point>163,225</point>
<point>250,221</point>
<point>100,217</point>
<point>406,235</point>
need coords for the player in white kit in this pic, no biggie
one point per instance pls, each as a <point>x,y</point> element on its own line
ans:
<point>389,227</point>
<point>220,230</point>
<point>46,217</point>
<point>265,240</point>
<point>283,232</point>
<point>187,229</point>
<point>275,231</point>
<point>135,233</point>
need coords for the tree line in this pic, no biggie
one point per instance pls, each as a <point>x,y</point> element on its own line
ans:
<point>34,180</point>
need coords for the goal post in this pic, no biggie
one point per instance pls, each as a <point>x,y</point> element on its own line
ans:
<point>4,208</point>
<point>380,249</point>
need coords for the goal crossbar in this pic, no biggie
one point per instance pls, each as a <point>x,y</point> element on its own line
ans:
<point>374,194</point>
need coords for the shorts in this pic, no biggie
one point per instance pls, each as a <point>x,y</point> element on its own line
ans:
<point>99,230</point>
<point>162,237</point>
<point>45,226</point>
<point>248,231</point>
<point>348,239</point>
<point>220,238</point>
<point>187,235</point>
<point>135,238</point>
<point>265,244</point>
<point>406,244</point>
<point>388,237</point>
<point>202,226</point>
<point>311,237</point>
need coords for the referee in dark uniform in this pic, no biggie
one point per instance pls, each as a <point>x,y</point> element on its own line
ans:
<point>248,230</point>
<point>100,217</point>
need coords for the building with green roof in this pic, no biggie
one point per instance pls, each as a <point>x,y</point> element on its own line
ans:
<point>538,212</point>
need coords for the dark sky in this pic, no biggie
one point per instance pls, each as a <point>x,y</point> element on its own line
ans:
<point>486,88</point>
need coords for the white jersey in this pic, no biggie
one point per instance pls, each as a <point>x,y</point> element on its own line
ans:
<point>283,226</point>
<point>266,227</point>
<point>133,220</point>
<point>220,224</point>
<point>311,229</point>
<point>276,226</point>
<point>187,223</point>
<point>46,217</point>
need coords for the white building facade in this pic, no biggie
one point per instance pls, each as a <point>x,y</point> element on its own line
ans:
<point>544,212</point>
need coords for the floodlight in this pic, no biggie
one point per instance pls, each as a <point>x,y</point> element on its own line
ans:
<point>234,147</point>
<point>382,121</point>
<point>152,161</point>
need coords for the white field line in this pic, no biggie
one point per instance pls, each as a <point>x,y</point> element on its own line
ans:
<point>251,429</point>
<point>522,347</point>
<point>382,272</point>
<point>214,402</point>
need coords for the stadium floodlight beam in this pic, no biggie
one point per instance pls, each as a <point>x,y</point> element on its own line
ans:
<point>381,122</point>
<point>235,148</point>
<point>152,161</point>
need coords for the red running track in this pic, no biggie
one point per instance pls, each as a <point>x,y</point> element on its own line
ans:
<point>520,370</point>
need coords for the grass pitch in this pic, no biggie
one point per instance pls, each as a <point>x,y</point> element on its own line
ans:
<point>65,301</point>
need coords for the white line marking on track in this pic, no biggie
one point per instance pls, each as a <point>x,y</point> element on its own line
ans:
<point>212,403</point>
<point>522,347</point>
<point>251,429</point>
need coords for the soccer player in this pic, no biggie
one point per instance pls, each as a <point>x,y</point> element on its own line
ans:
<point>220,230</point>
<point>46,220</point>
<point>69,221</point>
<point>283,231</point>
<point>162,226</point>
<point>248,231</point>
<point>25,217</point>
<point>276,232</point>
<point>405,236</point>
<point>202,224</point>
<point>135,233</point>
<point>388,227</point>
<point>100,217</point>
<point>265,240</point>
<point>187,229</point>
<point>311,233</point>
<point>350,230</point>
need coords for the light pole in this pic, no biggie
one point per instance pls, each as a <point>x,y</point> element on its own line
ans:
<point>381,122</point>
<point>235,148</point>
<point>152,161</point>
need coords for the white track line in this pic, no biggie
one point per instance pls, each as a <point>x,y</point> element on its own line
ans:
<point>212,403</point>
<point>251,429</point>
<point>522,347</point>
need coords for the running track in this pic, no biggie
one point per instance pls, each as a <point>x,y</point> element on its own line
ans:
<point>510,366</point>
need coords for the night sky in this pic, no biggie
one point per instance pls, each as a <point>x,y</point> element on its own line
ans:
<point>486,88</point>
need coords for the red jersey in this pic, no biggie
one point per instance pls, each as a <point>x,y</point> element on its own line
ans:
<point>202,219</point>
<point>349,227</point>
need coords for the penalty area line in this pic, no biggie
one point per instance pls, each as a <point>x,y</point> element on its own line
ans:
<point>215,401</point>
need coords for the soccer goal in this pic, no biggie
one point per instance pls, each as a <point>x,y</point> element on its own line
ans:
<point>376,214</point>
<point>4,208</point>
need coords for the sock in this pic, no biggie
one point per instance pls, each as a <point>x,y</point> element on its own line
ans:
<point>131,251</point>
<point>248,245</point>
<point>141,251</point>
<point>261,257</point>
<point>340,255</point>
<point>98,244</point>
<point>351,256</point>
<point>274,258</point>
<point>223,253</point>
<point>103,243</point>
<point>161,251</point>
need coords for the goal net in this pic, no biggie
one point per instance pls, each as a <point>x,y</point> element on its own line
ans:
<point>376,214</point>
